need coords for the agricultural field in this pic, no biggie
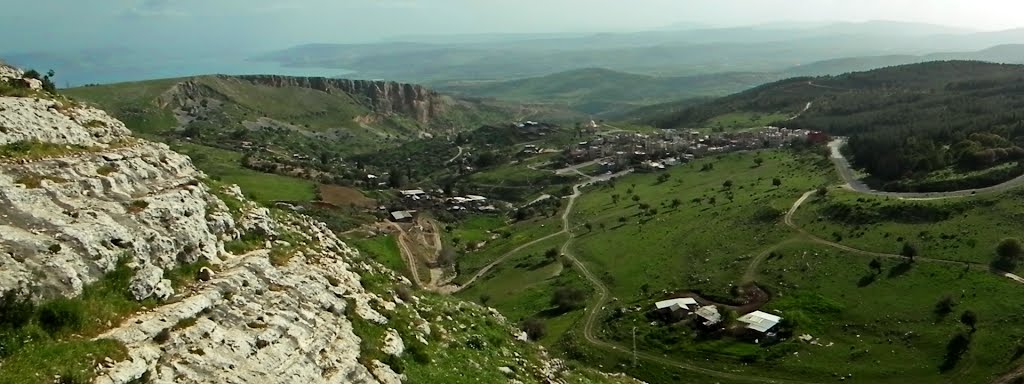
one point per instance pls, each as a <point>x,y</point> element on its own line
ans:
<point>695,229</point>
<point>264,188</point>
<point>962,229</point>
<point>340,196</point>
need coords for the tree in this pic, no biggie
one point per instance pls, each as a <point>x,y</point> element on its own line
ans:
<point>876,265</point>
<point>663,177</point>
<point>758,161</point>
<point>727,184</point>
<point>551,254</point>
<point>822,192</point>
<point>712,200</point>
<point>944,306</point>
<point>676,203</point>
<point>397,178</point>
<point>777,182</point>
<point>1008,254</point>
<point>568,298</point>
<point>909,251</point>
<point>636,198</point>
<point>970,319</point>
<point>588,226</point>
<point>615,198</point>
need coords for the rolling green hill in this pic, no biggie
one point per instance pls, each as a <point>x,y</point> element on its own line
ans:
<point>904,122</point>
<point>599,91</point>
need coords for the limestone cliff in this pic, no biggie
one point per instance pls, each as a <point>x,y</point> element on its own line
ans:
<point>384,97</point>
<point>81,198</point>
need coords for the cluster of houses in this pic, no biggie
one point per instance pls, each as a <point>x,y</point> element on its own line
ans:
<point>438,200</point>
<point>758,322</point>
<point>657,151</point>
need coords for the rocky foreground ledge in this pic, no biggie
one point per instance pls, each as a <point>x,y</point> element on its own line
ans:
<point>200,285</point>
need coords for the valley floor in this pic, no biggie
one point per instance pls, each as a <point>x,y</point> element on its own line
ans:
<point>805,273</point>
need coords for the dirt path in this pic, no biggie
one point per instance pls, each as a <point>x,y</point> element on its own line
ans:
<point>815,239</point>
<point>798,114</point>
<point>407,255</point>
<point>456,157</point>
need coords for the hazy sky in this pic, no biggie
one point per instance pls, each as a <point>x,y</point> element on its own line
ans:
<point>265,24</point>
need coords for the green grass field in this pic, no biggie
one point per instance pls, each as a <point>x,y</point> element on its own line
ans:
<point>963,229</point>
<point>518,234</point>
<point>522,288</point>
<point>885,328</point>
<point>262,187</point>
<point>383,249</point>
<point>740,120</point>
<point>700,244</point>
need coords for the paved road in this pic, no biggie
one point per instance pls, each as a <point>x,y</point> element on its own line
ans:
<point>853,183</point>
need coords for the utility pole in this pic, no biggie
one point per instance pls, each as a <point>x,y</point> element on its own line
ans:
<point>634,346</point>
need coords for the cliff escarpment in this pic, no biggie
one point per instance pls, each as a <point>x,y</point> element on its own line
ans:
<point>383,97</point>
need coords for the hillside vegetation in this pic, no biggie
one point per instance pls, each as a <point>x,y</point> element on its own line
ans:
<point>904,122</point>
<point>606,92</point>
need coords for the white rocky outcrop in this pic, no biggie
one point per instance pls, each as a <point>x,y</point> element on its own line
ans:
<point>81,214</point>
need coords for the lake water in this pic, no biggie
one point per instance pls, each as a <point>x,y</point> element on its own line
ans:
<point>80,73</point>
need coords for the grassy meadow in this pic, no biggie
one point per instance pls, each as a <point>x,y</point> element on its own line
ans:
<point>960,229</point>
<point>261,187</point>
<point>707,224</point>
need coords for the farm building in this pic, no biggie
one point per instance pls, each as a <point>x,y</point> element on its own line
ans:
<point>401,216</point>
<point>414,193</point>
<point>677,304</point>
<point>760,321</point>
<point>710,315</point>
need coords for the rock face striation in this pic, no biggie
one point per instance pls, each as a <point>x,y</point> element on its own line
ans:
<point>71,216</point>
<point>384,97</point>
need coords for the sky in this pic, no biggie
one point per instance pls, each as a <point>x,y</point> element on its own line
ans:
<point>252,25</point>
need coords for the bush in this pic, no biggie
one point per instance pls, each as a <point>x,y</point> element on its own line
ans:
<point>535,328</point>
<point>1008,255</point>
<point>568,298</point>
<point>15,311</point>
<point>395,363</point>
<point>62,315</point>
<point>163,336</point>
<point>105,170</point>
<point>419,353</point>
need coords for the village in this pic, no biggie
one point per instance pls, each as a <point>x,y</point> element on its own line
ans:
<point>618,150</point>
<point>602,153</point>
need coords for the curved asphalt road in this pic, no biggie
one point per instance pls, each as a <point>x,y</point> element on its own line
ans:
<point>854,184</point>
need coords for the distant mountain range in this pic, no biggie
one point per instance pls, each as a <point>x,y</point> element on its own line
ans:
<point>770,48</point>
<point>608,93</point>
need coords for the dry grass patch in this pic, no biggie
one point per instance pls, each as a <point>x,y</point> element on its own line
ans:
<point>345,197</point>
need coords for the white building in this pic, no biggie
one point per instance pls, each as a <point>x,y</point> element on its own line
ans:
<point>760,321</point>
<point>677,304</point>
<point>710,315</point>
